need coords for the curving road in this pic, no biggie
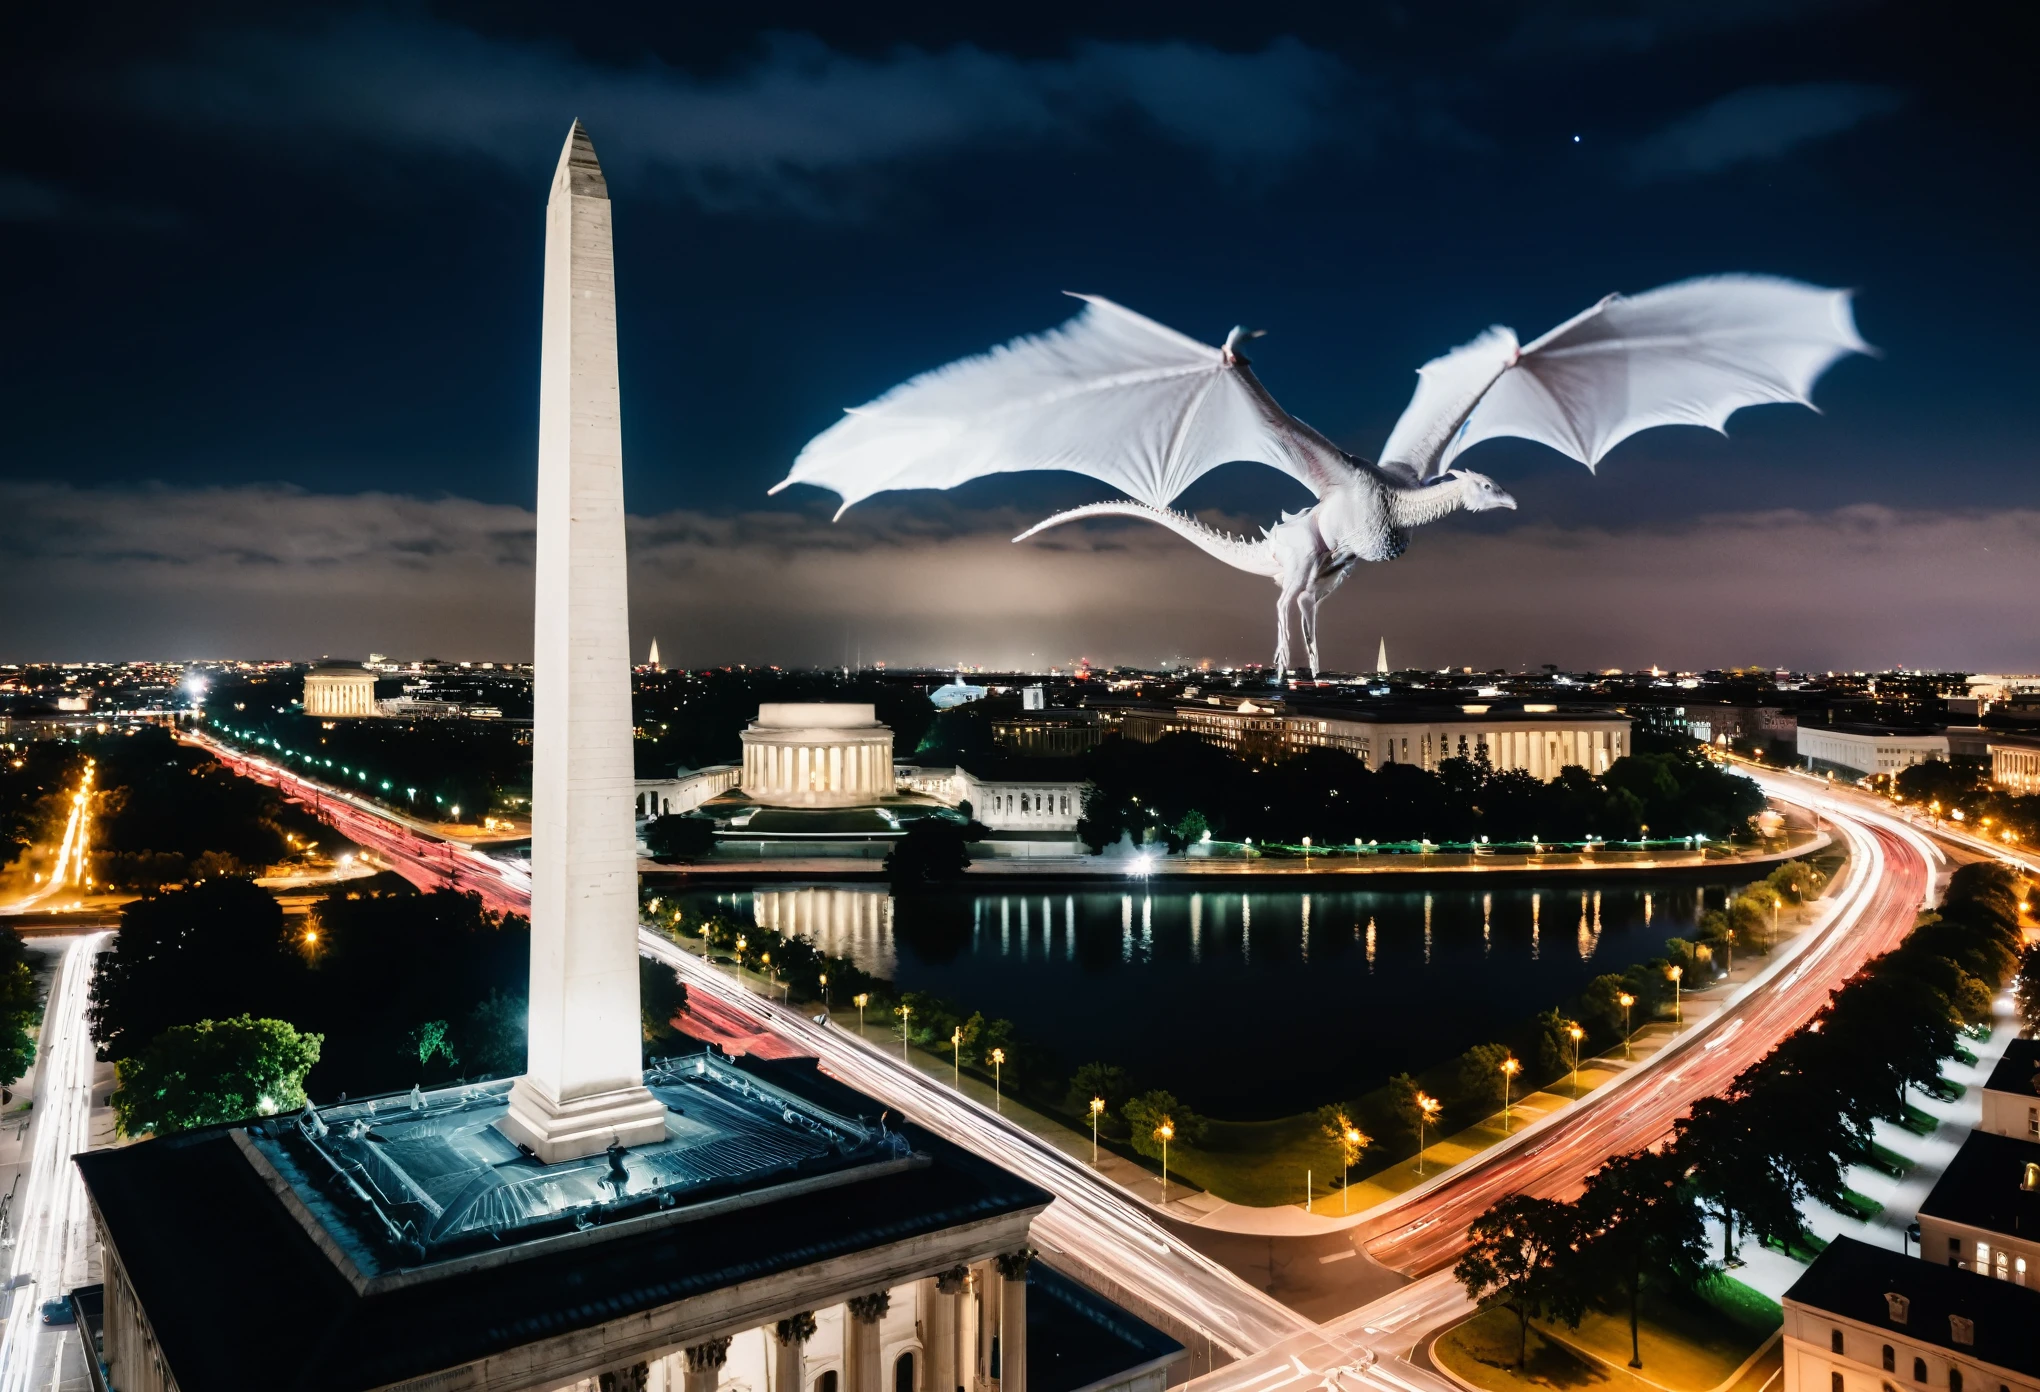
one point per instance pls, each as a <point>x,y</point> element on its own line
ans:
<point>1888,880</point>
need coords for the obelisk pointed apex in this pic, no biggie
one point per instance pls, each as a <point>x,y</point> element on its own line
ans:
<point>579,172</point>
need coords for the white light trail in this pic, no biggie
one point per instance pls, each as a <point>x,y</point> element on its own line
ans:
<point>51,1219</point>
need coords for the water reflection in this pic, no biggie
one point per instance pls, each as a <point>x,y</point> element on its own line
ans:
<point>1338,989</point>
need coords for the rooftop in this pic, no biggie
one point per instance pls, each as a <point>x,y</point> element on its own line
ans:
<point>1985,1186</point>
<point>403,1182</point>
<point>242,1263</point>
<point>1852,1279</point>
<point>2019,1070</point>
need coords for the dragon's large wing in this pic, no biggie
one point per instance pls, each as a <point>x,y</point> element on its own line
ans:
<point>1110,394</point>
<point>1686,354</point>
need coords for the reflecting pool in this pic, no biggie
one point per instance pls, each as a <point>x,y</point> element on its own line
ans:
<point>1246,1004</point>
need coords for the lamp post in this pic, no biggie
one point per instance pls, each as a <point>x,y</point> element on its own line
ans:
<point>956,1060</point>
<point>906,1014</point>
<point>1427,1107</point>
<point>1510,1068</point>
<point>742,943</point>
<point>998,1097</point>
<point>1575,1033</point>
<point>1627,1001</point>
<point>1097,1110</point>
<point>1162,1133</point>
<point>1777,903</point>
<point>1678,1012</point>
<point>860,1000</point>
<point>825,992</point>
<point>1354,1140</point>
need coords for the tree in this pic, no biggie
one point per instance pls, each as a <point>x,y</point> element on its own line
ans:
<point>493,1034</point>
<point>662,995</point>
<point>1638,1215</point>
<point>679,837</point>
<point>428,1042</point>
<point>1336,1124</point>
<point>20,1008</point>
<point>211,951</point>
<point>211,1072</point>
<point>1146,1112</point>
<point>1523,1256</point>
<point>1741,1170</point>
<point>1403,1093</point>
<point>1479,1075</point>
<point>935,849</point>
<point>1106,1080</point>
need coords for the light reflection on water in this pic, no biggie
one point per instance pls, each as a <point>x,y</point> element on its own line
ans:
<point>1247,1003</point>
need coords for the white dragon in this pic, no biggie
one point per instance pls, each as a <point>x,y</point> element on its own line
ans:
<point>1149,411</point>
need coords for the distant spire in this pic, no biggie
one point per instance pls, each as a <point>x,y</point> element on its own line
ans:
<point>1381,660</point>
<point>652,658</point>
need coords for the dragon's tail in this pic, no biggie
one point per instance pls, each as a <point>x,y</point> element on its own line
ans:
<point>1242,553</point>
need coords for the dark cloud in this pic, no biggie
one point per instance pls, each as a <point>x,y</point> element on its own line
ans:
<point>1758,123</point>
<point>268,570</point>
<point>774,131</point>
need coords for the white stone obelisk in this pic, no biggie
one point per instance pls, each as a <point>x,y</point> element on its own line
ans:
<point>583,1087</point>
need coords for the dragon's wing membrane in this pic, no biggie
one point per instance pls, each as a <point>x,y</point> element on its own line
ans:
<point>1693,353</point>
<point>1110,394</point>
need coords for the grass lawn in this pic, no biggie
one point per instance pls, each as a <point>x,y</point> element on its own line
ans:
<point>1862,1207</point>
<point>1483,1352</point>
<point>1887,1161</point>
<point>1689,1344</point>
<point>1918,1122</point>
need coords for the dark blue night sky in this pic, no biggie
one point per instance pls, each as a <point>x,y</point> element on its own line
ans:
<point>273,308</point>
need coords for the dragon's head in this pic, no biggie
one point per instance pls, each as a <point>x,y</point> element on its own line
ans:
<point>1479,493</point>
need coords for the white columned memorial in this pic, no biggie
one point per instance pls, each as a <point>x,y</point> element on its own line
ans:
<point>583,1087</point>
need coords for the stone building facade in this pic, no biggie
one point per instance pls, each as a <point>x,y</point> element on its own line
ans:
<point>818,754</point>
<point>340,691</point>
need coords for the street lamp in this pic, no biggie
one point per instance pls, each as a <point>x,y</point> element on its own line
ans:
<point>1354,1141</point>
<point>860,1000</point>
<point>825,992</point>
<point>742,943</point>
<point>1777,903</point>
<point>1627,1001</point>
<point>906,1013</point>
<point>956,1060</point>
<point>1163,1133</point>
<point>1097,1110</point>
<point>998,1062</point>
<point>1575,1033</point>
<point>1678,1015</point>
<point>1510,1068</point>
<point>1427,1107</point>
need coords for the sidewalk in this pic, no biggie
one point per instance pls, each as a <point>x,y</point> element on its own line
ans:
<point>1772,1272</point>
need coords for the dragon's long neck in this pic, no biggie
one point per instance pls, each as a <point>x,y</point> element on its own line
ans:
<point>1413,507</point>
<point>1252,556</point>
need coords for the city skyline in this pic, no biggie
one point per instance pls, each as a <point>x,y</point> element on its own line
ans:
<point>300,417</point>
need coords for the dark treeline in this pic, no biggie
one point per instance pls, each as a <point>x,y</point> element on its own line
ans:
<point>169,812</point>
<point>1175,789</point>
<point>1784,1133</point>
<point>1964,793</point>
<point>36,784</point>
<point>404,987</point>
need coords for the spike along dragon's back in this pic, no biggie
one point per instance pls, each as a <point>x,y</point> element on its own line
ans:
<point>1149,411</point>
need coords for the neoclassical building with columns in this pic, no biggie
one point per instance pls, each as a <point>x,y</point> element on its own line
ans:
<point>817,754</point>
<point>785,1236</point>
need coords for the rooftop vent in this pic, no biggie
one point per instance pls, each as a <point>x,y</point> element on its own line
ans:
<point>2030,1180</point>
<point>1962,1330</point>
<point>1896,1306</point>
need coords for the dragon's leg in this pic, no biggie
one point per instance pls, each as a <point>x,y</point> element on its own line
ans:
<point>1288,597</point>
<point>1306,610</point>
